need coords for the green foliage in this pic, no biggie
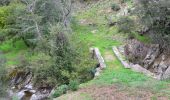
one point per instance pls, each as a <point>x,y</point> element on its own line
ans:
<point>59,68</point>
<point>8,20</point>
<point>3,78</point>
<point>124,1</point>
<point>115,7</point>
<point>74,85</point>
<point>10,46</point>
<point>125,24</point>
<point>155,16</point>
<point>60,90</point>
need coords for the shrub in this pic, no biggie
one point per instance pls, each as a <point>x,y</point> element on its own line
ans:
<point>125,24</point>
<point>155,16</point>
<point>115,7</point>
<point>124,1</point>
<point>60,90</point>
<point>74,85</point>
<point>3,78</point>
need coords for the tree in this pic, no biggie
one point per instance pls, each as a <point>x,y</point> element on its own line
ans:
<point>39,15</point>
<point>154,14</point>
<point>4,2</point>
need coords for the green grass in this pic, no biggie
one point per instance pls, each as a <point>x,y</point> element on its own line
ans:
<point>143,38</point>
<point>104,38</point>
<point>114,73</point>
<point>13,51</point>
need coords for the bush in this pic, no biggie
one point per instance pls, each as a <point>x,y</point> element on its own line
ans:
<point>60,90</point>
<point>3,77</point>
<point>125,24</point>
<point>115,7</point>
<point>74,85</point>
<point>124,1</point>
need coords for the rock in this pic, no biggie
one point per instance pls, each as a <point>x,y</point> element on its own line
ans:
<point>119,56</point>
<point>155,68</point>
<point>29,86</point>
<point>97,74</point>
<point>152,54</point>
<point>138,68</point>
<point>99,57</point>
<point>98,70</point>
<point>96,54</point>
<point>134,67</point>
<point>94,31</point>
<point>166,75</point>
<point>33,97</point>
<point>39,96</point>
<point>20,94</point>
<point>135,51</point>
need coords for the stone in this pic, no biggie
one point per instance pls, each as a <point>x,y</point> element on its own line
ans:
<point>96,54</point>
<point>166,75</point>
<point>152,54</point>
<point>20,94</point>
<point>97,74</point>
<point>135,51</point>
<point>138,68</point>
<point>134,67</point>
<point>94,31</point>
<point>99,58</point>
<point>120,58</point>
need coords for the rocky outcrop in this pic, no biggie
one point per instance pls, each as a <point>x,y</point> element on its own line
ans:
<point>152,54</point>
<point>134,67</point>
<point>22,87</point>
<point>166,75</point>
<point>148,56</point>
<point>135,51</point>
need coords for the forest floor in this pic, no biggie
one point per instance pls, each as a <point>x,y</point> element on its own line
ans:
<point>115,82</point>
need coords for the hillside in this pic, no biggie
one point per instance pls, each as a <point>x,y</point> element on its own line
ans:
<point>115,82</point>
<point>65,50</point>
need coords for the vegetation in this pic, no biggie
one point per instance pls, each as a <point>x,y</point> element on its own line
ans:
<point>39,39</point>
<point>46,39</point>
<point>60,90</point>
<point>74,85</point>
<point>155,17</point>
<point>125,24</point>
<point>3,78</point>
<point>115,7</point>
<point>104,39</point>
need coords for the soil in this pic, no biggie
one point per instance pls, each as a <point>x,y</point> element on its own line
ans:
<point>113,92</point>
<point>108,57</point>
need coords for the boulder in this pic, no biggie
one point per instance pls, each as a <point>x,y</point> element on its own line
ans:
<point>166,75</point>
<point>152,54</point>
<point>135,51</point>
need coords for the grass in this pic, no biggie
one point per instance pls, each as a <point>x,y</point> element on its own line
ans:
<point>104,38</point>
<point>13,51</point>
<point>114,73</point>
